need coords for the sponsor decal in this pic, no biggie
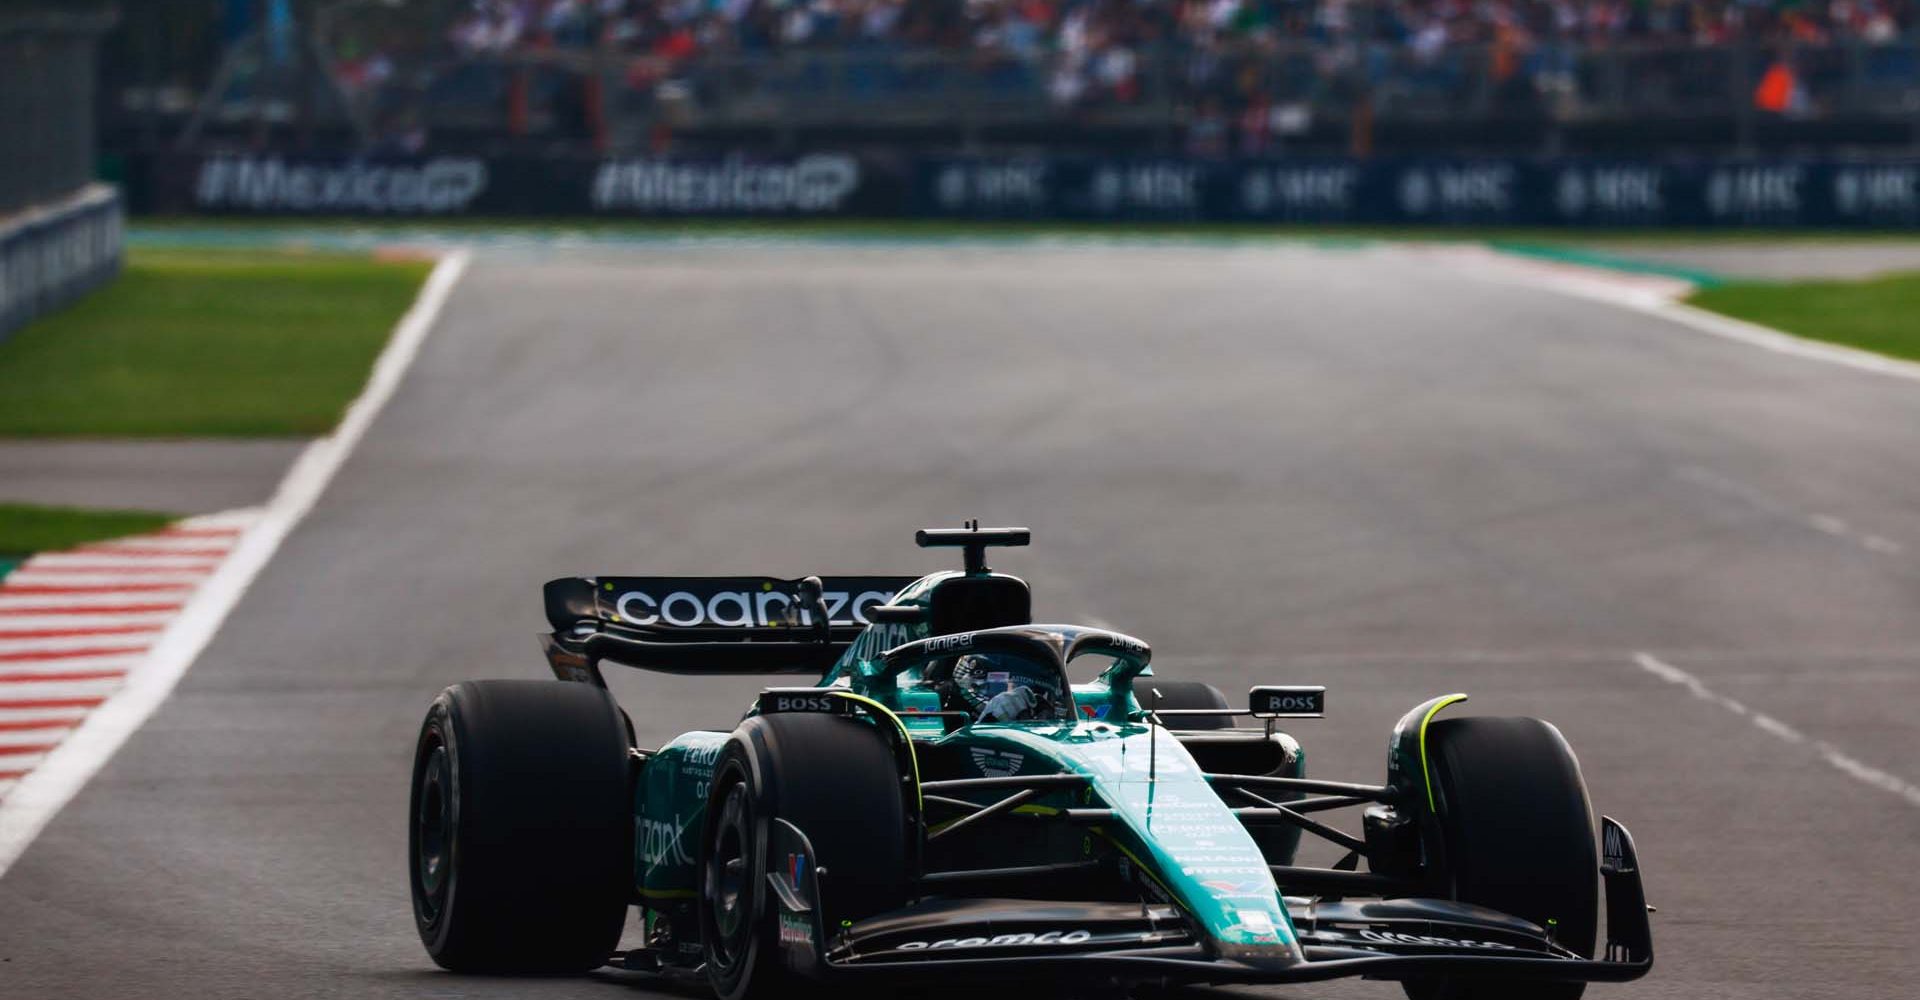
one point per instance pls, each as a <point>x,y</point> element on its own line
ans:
<point>800,701</point>
<point>660,843</point>
<point>1223,887</point>
<point>796,867</point>
<point>1428,941</point>
<point>1755,191</point>
<point>702,758</point>
<point>1150,187</point>
<point>1001,941</point>
<point>695,764</point>
<point>1612,193</point>
<point>1877,192</point>
<point>740,608</point>
<point>1258,923</point>
<point>1613,851</point>
<point>1458,190</point>
<point>811,184</point>
<point>943,643</point>
<point>269,184</point>
<point>1289,701</point>
<point>1217,871</point>
<point>1094,713</point>
<point>794,929</point>
<point>997,763</point>
<point>1007,186</point>
<point>1317,191</point>
<point>877,639</point>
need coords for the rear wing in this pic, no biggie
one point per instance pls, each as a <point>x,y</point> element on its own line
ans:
<point>708,625</point>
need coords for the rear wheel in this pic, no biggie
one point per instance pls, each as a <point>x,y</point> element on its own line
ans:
<point>520,850</point>
<point>1518,835</point>
<point>1178,696</point>
<point>837,781</point>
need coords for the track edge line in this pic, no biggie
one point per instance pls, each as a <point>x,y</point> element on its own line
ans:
<point>39,796</point>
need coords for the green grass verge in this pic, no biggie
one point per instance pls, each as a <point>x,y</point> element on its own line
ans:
<point>206,343</point>
<point>1878,314</point>
<point>27,529</point>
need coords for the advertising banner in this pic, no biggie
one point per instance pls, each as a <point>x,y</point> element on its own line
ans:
<point>814,184</point>
<point>1427,191</point>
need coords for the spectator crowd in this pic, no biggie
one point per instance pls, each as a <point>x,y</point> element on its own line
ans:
<point>1029,27</point>
<point>1093,50</point>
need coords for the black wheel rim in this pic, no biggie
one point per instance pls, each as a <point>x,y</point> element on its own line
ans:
<point>433,821</point>
<point>728,882</point>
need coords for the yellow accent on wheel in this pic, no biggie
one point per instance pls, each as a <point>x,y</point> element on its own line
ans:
<point>913,758</point>
<point>1426,773</point>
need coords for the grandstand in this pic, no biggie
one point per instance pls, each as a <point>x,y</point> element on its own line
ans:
<point>1199,77</point>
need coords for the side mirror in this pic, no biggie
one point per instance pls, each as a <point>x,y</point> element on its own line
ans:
<point>1288,702</point>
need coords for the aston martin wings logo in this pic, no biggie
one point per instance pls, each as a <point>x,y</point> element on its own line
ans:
<point>997,763</point>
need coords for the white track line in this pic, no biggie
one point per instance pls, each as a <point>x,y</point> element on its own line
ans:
<point>1767,338</point>
<point>1826,524</point>
<point>1660,296</point>
<point>1833,755</point>
<point>34,801</point>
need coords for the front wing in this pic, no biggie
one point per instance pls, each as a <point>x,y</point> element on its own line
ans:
<point>1130,942</point>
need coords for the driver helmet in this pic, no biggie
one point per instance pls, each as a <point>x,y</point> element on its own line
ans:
<point>1001,688</point>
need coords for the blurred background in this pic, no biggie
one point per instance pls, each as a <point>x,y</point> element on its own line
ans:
<point>1635,112</point>
<point>1209,78</point>
<point>1558,351</point>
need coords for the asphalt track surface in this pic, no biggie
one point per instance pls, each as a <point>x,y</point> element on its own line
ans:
<point>176,477</point>
<point>1369,468</point>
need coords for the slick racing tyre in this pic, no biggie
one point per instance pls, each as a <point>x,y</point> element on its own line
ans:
<point>1182,696</point>
<point>1518,835</point>
<point>520,852</point>
<point>836,780</point>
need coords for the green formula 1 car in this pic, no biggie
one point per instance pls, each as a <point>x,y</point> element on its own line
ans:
<point>943,803</point>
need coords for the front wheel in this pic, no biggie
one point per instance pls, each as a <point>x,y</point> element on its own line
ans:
<point>1518,837</point>
<point>520,833</point>
<point>833,778</point>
